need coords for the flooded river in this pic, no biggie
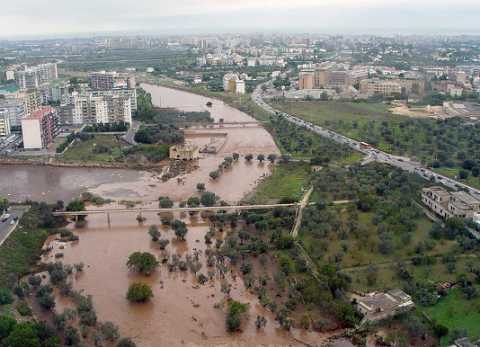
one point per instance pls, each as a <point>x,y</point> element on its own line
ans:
<point>182,312</point>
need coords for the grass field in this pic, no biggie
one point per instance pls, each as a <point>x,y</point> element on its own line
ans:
<point>286,181</point>
<point>84,151</point>
<point>457,313</point>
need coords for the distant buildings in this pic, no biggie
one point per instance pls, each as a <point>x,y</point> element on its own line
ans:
<point>373,87</point>
<point>40,128</point>
<point>35,76</point>
<point>233,84</point>
<point>450,204</point>
<point>323,77</point>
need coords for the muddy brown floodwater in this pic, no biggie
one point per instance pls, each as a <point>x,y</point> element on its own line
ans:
<point>182,313</point>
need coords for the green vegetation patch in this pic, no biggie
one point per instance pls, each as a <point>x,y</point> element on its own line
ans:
<point>99,148</point>
<point>286,182</point>
<point>456,313</point>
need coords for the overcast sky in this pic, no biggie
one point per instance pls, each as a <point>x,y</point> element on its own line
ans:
<point>56,17</point>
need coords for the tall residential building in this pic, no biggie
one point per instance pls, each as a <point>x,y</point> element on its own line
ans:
<point>40,128</point>
<point>34,76</point>
<point>90,109</point>
<point>31,99</point>
<point>15,108</point>
<point>125,92</point>
<point>102,80</point>
<point>4,123</point>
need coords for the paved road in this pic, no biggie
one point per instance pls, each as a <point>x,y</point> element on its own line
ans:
<point>7,227</point>
<point>403,163</point>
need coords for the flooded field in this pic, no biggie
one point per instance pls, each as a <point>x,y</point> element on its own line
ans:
<point>182,312</point>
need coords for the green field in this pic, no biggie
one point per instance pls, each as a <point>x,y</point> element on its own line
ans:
<point>84,151</point>
<point>286,181</point>
<point>457,313</point>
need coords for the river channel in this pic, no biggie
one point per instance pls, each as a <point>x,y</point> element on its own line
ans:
<point>182,312</point>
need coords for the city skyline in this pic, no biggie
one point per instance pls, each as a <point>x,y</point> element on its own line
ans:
<point>27,18</point>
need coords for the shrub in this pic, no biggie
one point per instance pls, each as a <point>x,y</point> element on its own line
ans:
<point>6,296</point>
<point>142,262</point>
<point>109,331</point>
<point>7,324</point>
<point>23,309</point>
<point>139,292</point>
<point>235,311</point>
<point>126,342</point>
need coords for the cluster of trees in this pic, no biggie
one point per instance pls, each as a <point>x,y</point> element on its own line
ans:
<point>440,143</point>
<point>298,141</point>
<point>159,134</point>
<point>26,334</point>
<point>153,153</point>
<point>106,127</point>
<point>267,234</point>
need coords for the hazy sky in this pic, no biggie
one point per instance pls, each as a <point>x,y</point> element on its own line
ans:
<point>43,17</point>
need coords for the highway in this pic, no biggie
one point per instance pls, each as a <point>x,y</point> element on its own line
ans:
<point>9,225</point>
<point>403,163</point>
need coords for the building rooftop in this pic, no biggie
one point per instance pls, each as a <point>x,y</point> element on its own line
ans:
<point>39,114</point>
<point>465,197</point>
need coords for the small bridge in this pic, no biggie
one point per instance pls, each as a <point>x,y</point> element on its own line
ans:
<point>140,211</point>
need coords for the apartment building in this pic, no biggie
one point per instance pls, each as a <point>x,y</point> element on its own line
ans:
<point>323,78</point>
<point>119,92</point>
<point>15,110</point>
<point>90,109</point>
<point>376,86</point>
<point>102,80</point>
<point>447,205</point>
<point>34,76</point>
<point>4,123</point>
<point>40,128</point>
<point>106,80</point>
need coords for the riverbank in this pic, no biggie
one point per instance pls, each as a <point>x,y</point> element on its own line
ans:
<point>88,165</point>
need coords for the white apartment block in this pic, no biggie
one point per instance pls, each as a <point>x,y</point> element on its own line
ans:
<point>91,109</point>
<point>35,76</point>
